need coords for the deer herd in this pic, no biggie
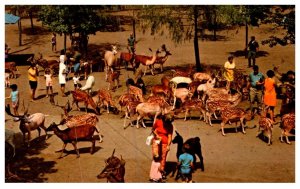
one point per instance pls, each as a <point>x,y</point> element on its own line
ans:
<point>181,92</point>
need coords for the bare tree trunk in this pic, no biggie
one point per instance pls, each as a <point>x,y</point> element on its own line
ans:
<point>246,44</point>
<point>196,45</point>
<point>20,28</point>
<point>65,42</point>
<point>31,22</point>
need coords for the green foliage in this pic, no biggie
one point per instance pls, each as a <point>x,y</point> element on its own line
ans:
<point>283,18</point>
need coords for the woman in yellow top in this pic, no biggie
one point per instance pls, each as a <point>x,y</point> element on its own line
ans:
<point>229,67</point>
<point>270,93</point>
<point>32,76</point>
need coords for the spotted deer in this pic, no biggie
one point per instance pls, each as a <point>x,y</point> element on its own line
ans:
<point>125,98</point>
<point>137,92</point>
<point>219,105</point>
<point>287,124</point>
<point>234,114</point>
<point>113,77</point>
<point>201,76</point>
<point>265,126</point>
<point>81,96</point>
<point>193,105</point>
<point>105,98</point>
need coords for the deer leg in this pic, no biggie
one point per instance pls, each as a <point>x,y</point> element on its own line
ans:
<point>269,139</point>
<point>186,112</point>
<point>62,150</point>
<point>143,123</point>
<point>93,146</point>
<point>281,136</point>
<point>44,128</point>
<point>145,70</point>
<point>99,134</point>
<point>215,115</point>
<point>287,138</point>
<point>242,125</point>
<point>137,121</point>
<point>222,127</point>
<point>174,102</point>
<point>28,139</point>
<point>74,143</point>
<point>39,131</point>
<point>86,106</point>
<point>151,69</point>
<point>77,106</point>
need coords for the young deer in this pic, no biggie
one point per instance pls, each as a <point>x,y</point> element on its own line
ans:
<point>265,126</point>
<point>287,124</point>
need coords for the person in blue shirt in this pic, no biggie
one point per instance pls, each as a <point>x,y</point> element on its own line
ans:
<point>185,164</point>
<point>255,84</point>
<point>14,96</point>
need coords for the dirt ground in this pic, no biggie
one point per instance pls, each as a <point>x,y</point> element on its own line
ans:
<point>235,158</point>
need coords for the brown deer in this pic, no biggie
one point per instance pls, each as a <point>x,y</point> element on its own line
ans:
<point>113,77</point>
<point>11,68</point>
<point>162,59</point>
<point>287,124</point>
<point>105,98</point>
<point>219,105</point>
<point>147,61</point>
<point>193,105</point>
<point>183,72</point>
<point>81,96</point>
<point>234,114</point>
<point>29,123</point>
<point>137,92</point>
<point>114,170</point>
<point>72,135</point>
<point>265,126</point>
<point>71,121</point>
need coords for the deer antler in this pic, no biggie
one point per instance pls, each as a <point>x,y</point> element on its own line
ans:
<point>112,155</point>
<point>7,110</point>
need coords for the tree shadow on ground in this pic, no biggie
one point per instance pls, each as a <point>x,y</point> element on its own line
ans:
<point>210,37</point>
<point>37,30</point>
<point>28,168</point>
<point>241,53</point>
<point>20,59</point>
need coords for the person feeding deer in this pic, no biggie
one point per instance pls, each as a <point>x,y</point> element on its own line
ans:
<point>229,67</point>
<point>163,131</point>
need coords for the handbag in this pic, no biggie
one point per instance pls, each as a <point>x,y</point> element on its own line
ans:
<point>149,139</point>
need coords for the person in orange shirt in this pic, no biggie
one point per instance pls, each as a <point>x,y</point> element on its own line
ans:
<point>163,130</point>
<point>270,93</point>
<point>33,76</point>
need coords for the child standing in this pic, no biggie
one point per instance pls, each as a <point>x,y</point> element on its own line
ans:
<point>53,42</point>
<point>7,82</point>
<point>76,80</point>
<point>186,164</point>
<point>155,174</point>
<point>14,95</point>
<point>49,83</point>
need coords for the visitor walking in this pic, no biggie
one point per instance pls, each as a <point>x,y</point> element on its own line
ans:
<point>14,96</point>
<point>33,79</point>
<point>253,48</point>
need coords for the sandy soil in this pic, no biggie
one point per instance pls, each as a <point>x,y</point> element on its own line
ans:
<point>235,158</point>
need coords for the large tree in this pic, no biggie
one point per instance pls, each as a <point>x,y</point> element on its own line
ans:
<point>69,19</point>
<point>180,21</point>
<point>283,20</point>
